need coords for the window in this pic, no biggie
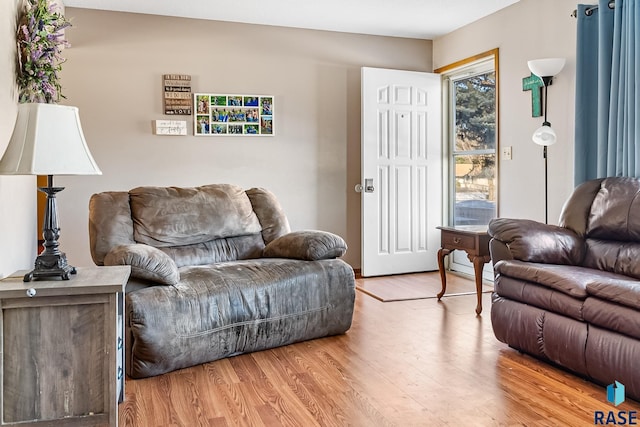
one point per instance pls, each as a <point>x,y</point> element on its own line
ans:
<point>471,139</point>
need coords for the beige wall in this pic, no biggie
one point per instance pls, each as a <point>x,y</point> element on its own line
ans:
<point>527,30</point>
<point>114,71</point>
<point>113,74</point>
<point>17,193</point>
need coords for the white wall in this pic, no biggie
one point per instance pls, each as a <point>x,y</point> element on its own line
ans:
<point>527,30</point>
<point>114,72</point>
<point>17,193</point>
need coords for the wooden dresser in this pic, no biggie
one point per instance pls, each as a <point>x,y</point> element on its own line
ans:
<point>62,349</point>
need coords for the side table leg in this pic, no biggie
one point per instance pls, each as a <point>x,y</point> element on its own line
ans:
<point>478,265</point>
<point>443,278</point>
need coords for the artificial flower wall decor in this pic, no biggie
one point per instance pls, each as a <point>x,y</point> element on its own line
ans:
<point>40,42</point>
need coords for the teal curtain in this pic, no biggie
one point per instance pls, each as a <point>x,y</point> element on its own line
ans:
<point>607,90</point>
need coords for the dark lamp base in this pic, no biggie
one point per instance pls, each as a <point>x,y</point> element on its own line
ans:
<point>50,265</point>
<point>51,262</point>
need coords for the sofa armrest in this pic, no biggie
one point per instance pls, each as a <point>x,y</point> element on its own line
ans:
<point>532,241</point>
<point>146,262</point>
<point>309,245</point>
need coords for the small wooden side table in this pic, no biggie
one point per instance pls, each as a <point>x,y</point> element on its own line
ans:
<point>62,349</point>
<point>474,240</point>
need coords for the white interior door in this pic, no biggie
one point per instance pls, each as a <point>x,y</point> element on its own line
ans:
<point>401,171</point>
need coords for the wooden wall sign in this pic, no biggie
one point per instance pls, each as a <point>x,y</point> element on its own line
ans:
<point>177,94</point>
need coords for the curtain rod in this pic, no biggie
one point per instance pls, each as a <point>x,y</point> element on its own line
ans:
<point>589,11</point>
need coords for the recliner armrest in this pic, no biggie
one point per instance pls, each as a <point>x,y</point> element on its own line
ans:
<point>308,245</point>
<point>531,241</point>
<point>146,263</point>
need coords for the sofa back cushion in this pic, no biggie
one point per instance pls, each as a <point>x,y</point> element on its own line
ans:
<point>614,256</point>
<point>110,223</point>
<point>605,208</point>
<point>575,212</point>
<point>173,216</point>
<point>194,226</point>
<point>272,218</point>
<point>606,212</point>
<point>615,211</point>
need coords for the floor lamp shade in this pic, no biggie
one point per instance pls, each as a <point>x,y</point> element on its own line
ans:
<point>544,135</point>
<point>547,67</point>
<point>47,140</point>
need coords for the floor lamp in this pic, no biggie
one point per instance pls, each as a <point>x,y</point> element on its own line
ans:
<point>47,140</point>
<point>546,69</point>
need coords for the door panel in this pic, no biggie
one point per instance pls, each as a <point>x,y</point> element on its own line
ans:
<point>401,152</point>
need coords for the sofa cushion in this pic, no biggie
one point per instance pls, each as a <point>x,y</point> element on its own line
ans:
<point>172,216</point>
<point>617,288</point>
<point>146,262</point>
<point>612,316</point>
<point>236,307</point>
<point>567,279</point>
<point>540,296</point>
<point>310,245</point>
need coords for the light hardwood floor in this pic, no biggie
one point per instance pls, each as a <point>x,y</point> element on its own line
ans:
<point>406,363</point>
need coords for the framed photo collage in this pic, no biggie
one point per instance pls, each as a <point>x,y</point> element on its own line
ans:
<point>233,115</point>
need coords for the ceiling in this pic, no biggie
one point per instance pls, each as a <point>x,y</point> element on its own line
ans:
<point>421,19</point>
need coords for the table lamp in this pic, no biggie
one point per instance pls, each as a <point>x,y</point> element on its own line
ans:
<point>47,140</point>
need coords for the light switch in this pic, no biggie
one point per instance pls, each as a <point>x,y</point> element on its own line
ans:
<point>506,153</point>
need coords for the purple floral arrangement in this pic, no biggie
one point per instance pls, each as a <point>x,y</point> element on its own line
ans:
<point>40,42</point>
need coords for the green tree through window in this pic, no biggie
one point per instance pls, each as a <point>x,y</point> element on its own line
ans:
<point>473,148</point>
<point>476,112</point>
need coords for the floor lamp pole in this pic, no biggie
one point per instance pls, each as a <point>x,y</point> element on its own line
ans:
<point>547,82</point>
<point>546,212</point>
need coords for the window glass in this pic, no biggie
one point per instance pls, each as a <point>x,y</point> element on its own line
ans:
<point>473,148</point>
<point>475,114</point>
<point>475,198</point>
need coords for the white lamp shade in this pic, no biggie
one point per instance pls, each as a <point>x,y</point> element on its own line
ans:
<point>544,135</point>
<point>47,140</point>
<point>547,67</point>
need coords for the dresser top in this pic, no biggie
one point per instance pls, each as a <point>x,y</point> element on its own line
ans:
<point>87,280</point>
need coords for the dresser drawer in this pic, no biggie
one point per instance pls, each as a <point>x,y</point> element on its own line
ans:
<point>457,241</point>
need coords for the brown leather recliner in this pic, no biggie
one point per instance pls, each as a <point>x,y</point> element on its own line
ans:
<point>570,294</point>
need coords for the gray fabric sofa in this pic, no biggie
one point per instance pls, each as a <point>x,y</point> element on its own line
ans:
<point>217,272</point>
<point>570,294</point>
